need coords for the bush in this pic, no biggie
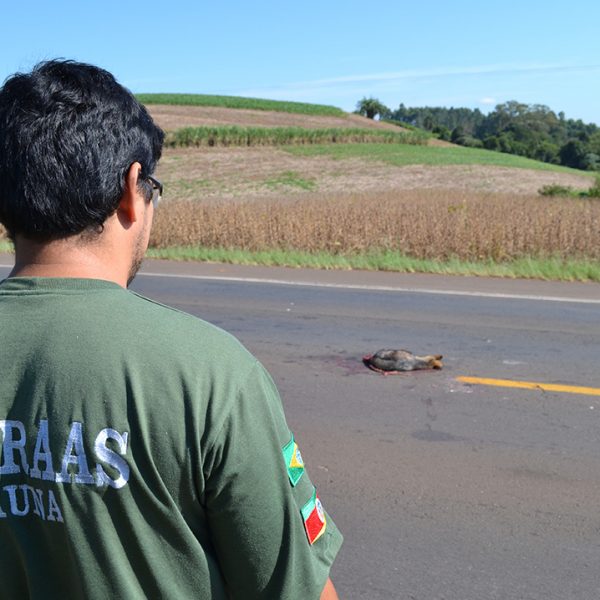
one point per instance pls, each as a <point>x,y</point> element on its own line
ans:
<point>561,190</point>
<point>442,132</point>
<point>491,143</point>
<point>594,191</point>
<point>472,142</point>
<point>556,190</point>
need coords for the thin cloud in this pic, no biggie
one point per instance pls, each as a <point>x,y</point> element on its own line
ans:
<point>488,101</point>
<point>408,74</point>
<point>449,71</point>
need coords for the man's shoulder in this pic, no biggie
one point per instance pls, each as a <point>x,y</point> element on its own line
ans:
<point>182,331</point>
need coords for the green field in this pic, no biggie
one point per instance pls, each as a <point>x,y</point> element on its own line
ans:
<point>237,102</point>
<point>234,135</point>
<point>402,155</point>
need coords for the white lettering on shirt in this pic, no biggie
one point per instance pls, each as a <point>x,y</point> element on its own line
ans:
<point>75,443</point>
<point>111,458</point>
<point>21,499</point>
<point>42,453</point>
<point>10,445</point>
<point>38,502</point>
<point>54,513</point>
<point>12,494</point>
<point>20,506</point>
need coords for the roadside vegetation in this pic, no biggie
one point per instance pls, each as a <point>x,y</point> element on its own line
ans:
<point>232,135</point>
<point>238,102</point>
<point>425,231</point>
<point>524,268</point>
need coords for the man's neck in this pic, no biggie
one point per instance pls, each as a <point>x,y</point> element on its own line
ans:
<point>65,258</point>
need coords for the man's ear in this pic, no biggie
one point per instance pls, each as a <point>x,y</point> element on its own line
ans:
<point>132,202</point>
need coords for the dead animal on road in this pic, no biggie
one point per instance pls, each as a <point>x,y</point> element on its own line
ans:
<point>392,362</point>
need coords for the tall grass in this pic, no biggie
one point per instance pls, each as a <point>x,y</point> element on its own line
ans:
<point>234,135</point>
<point>430,225</point>
<point>237,102</point>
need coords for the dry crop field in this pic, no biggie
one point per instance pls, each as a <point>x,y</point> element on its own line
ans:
<point>429,224</point>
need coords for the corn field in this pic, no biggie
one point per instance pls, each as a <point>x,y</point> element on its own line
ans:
<point>233,135</point>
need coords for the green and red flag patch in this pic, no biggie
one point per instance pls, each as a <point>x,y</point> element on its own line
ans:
<point>293,461</point>
<point>314,519</point>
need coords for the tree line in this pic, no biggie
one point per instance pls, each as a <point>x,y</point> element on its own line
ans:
<point>531,130</point>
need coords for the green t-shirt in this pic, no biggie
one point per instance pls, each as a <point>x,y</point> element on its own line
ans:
<point>145,454</point>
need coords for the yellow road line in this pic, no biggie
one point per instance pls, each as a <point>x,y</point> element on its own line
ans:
<point>532,385</point>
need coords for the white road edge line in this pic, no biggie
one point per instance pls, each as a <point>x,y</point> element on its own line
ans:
<point>372,288</point>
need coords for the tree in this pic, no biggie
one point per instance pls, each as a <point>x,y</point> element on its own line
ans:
<point>546,152</point>
<point>532,130</point>
<point>428,122</point>
<point>458,135</point>
<point>591,161</point>
<point>572,154</point>
<point>442,132</point>
<point>371,107</point>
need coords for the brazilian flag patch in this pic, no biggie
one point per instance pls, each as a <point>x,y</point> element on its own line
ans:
<point>314,519</point>
<point>293,461</point>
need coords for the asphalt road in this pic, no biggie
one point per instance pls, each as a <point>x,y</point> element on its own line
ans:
<point>443,490</point>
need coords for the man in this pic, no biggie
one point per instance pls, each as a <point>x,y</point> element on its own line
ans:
<point>135,462</point>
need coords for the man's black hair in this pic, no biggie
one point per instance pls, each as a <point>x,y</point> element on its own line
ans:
<point>68,135</point>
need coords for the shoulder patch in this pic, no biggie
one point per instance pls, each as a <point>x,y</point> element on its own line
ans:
<point>314,518</point>
<point>293,461</point>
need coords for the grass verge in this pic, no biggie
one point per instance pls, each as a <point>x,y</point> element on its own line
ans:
<point>427,155</point>
<point>234,135</point>
<point>556,269</point>
<point>551,269</point>
<point>302,108</point>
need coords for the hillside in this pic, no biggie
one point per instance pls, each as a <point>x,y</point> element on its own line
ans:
<point>226,173</point>
<point>171,117</point>
<point>246,173</point>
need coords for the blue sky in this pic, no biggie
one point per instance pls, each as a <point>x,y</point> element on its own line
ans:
<point>459,53</point>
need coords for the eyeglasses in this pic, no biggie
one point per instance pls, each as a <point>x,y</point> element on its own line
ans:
<point>157,190</point>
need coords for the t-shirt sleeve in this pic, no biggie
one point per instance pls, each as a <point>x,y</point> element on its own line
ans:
<point>271,535</point>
